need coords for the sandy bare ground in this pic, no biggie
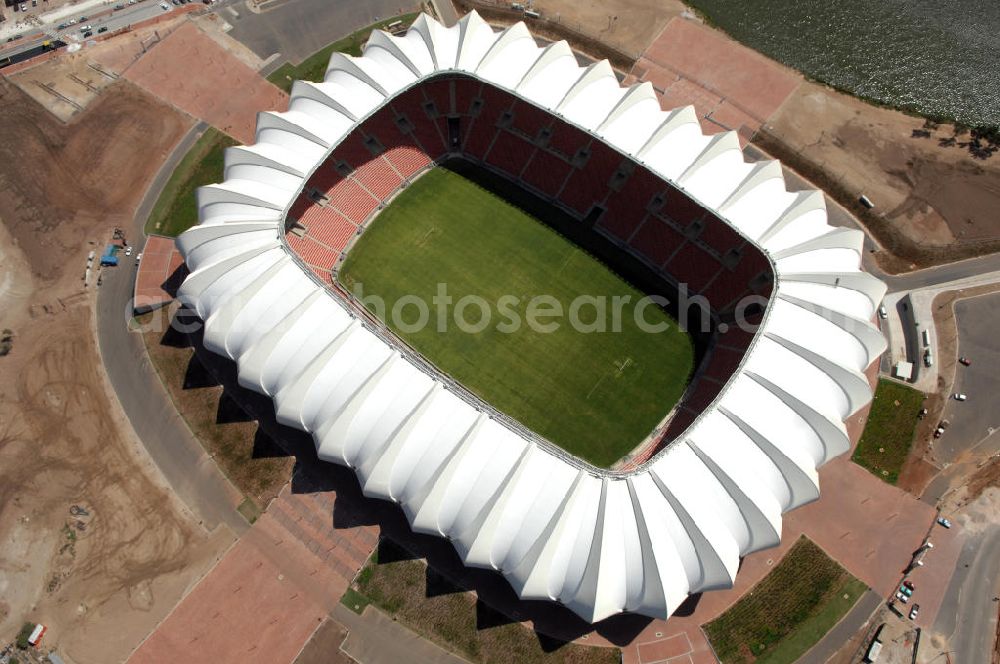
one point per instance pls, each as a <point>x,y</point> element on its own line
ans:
<point>100,581</point>
<point>629,25</point>
<point>930,194</point>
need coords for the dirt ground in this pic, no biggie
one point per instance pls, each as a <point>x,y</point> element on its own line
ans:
<point>65,85</point>
<point>629,25</point>
<point>929,193</point>
<point>102,580</point>
<point>74,182</point>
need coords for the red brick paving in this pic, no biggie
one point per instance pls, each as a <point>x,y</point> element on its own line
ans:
<point>730,85</point>
<point>245,610</point>
<point>155,281</point>
<point>191,71</point>
<point>266,597</point>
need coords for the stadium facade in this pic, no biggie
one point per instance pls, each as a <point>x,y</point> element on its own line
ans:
<point>598,542</point>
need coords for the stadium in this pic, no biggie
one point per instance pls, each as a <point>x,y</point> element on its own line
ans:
<point>716,435</point>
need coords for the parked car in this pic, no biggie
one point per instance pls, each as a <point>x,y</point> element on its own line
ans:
<point>85,28</point>
<point>943,522</point>
<point>128,251</point>
<point>24,6</point>
<point>83,18</point>
<point>965,361</point>
<point>906,591</point>
<point>88,34</point>
<point>138,257</point>
<point>882,311</point>
<point>922,414</point>
<point>959,396</point>
<point>914,611</point>
<point>940,428</point>
<point>901,597</point>
<point>908,584</point>
<point>101,29</point>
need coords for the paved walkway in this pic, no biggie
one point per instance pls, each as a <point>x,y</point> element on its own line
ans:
<point>375,638</point>
<point>730,85</point>
<point>226,93</point>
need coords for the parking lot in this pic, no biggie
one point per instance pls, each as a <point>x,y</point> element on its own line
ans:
<point>975,420</point>
<point>299,28</point>
<point>74,24</point>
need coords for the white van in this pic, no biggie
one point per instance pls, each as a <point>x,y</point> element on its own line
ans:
<point>927,338</point>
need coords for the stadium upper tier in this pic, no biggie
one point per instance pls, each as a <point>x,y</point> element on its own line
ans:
<point>598,542</point>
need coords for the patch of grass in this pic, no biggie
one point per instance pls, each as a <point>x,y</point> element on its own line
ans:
<point>788,611</point>
<point>176,210</point>
<point>23,636</point>
<point>595,393</point>
<point>313,68</point>
<point>451,617</point>
<point>355,601</point>
<point>841,600</point>
<point>249,510</point>
<point>230,438</point>
<point>885,442</point>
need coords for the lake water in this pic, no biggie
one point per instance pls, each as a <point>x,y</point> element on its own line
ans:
<point>932,57</point>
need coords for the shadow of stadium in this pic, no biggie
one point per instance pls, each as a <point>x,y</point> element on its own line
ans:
<point>497,604</point>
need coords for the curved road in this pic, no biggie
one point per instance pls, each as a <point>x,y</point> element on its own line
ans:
<point>189,470</point>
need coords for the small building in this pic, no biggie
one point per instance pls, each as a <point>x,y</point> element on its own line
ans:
<point>903,370</point>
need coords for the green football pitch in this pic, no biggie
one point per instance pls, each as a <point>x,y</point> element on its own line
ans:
<point>594,393</point>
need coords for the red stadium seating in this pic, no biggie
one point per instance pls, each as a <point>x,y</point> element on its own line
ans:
<point>510,153</point>
<point>354,202</point>
<point>694,267</point>
<point>466,89</point>
<point>479,137</point>
<point>326,225</point>
<point>681,209</point>
<point>529,119</point>
<point>722,363</point>
<point>411,106</point>
<point>547,173</point>
<point>567,139</point>
<point>656,240</point>
<point>589,185</point>
<point>352,150</point>
<point>627,208</point>
<point>439,91</point>
<point>407,159</point>
<point>719,235</point>
<point>379,177</point>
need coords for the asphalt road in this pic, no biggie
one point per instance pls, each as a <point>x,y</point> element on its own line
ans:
<point>968,612</point>
<point>298,28</point>
<point>188,469</point>
<point>112,20</point>
<point>976,419</point>
<point>834,640</point>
